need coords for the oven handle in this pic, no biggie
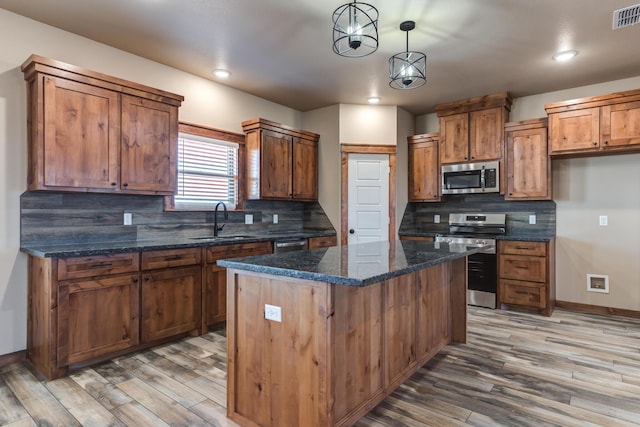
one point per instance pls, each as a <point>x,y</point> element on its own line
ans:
<point>290,244</point>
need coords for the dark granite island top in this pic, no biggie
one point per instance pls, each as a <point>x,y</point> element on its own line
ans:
<point>305,350</point>
<point>351,265</point>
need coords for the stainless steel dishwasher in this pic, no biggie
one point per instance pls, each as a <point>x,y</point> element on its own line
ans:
<point>289,245</point>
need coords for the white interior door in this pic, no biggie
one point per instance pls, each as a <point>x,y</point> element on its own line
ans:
<point>368,186</point>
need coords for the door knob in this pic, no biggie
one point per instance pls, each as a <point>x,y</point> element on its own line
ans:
<point>351,231</point>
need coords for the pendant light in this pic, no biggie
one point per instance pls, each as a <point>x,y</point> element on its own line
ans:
<point>355,30</point>
<point>407,70</point>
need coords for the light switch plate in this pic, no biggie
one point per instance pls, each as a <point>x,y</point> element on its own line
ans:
<point>273,312</point>
<point>127,218</point>
<point>248,219</point>
<point>275,218</point>
<point>532,219</point>
<point>604,220</point>
<point>436,219</point>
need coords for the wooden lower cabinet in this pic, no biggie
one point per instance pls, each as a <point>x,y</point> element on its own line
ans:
<point>214,292</point>
<point>170,302</point>
<point>419,238</point>
<point>526,275</point>
<point>322,242</point>
<point>96,316</point>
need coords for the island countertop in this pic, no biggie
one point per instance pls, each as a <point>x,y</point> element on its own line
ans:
<point>352,265</point>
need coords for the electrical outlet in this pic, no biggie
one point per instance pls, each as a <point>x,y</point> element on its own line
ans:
<point>275,218</point>
<point>248,219</point>
<point>604,220</point>
<point>532,219</point>
<point>273,312</point>
<point>436,219</point>
<point>127,218</point>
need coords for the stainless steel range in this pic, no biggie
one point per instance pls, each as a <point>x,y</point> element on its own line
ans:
<point>475,230</point>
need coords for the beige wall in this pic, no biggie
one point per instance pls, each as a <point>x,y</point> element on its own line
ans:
<point>368,124</point>
<point>326,122</point>
<point>583,190</point>
<point>406,127</point>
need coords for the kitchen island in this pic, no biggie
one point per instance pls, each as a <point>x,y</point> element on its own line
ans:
<point>348,325</point>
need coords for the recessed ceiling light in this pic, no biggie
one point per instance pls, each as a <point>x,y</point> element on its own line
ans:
<point>373,100</point>
<point>565,55</point>
<point>223,74</point>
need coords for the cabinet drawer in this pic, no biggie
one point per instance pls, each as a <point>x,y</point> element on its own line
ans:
<point>523,293</point>
<point>521,267</point>
<point>99,265</point>
<point>215,253</point>
<point>522,248</point>
<point>171,258</point>
<point>322,242</point>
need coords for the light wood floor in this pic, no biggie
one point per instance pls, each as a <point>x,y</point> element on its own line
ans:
<point>516,370</point>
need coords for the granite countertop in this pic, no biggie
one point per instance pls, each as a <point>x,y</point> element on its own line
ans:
<point>352,265</point>
<point>105,248</point>
<point>529,237</point>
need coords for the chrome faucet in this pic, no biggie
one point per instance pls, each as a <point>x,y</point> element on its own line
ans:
<point>216,229</point>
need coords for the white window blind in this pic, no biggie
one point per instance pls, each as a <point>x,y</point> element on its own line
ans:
<point>207,172</point>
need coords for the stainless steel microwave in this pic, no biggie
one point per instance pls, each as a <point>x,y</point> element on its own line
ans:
<point>464,178</point>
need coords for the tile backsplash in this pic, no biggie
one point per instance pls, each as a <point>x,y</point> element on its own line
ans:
<point>67,218</point>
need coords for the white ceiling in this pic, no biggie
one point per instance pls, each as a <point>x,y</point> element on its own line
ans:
<point>281,49</point>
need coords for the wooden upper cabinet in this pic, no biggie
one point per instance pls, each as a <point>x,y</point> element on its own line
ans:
<point>620,125</point>
<point>527,161</point>
<point>79,134</point>
<point>282,162</point>
<point>574,130</point>
<point>473,129</point>
<point>454,138</point>
<point>605,124</point>
<point>91,132</point>
<point>149,145</point>
<point>305,169</point>
<point>424,170</point>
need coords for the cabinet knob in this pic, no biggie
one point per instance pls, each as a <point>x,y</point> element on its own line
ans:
<point>606,143</point>
<point>134,280</point>
<point>472,157</point>
<point>113,184</point>
<point>595,142</point>
<point>126,184</point>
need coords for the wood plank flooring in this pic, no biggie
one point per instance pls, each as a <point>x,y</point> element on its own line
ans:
<point>571,369</point>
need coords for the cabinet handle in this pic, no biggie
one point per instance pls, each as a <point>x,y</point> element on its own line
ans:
<point>511,194</point>
<point>523,248</point>
<point>472,157</point>
<point>126,184</point>
<point>595,142</point>
<point>522,292</point>
<point>520,267</point>
<point>134,280</point>
<point>606,143</point>
<point>113,184</point>
<point>146,278</point>
<point>173,257</point>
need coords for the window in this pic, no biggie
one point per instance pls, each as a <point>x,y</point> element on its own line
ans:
<point>207,170</point>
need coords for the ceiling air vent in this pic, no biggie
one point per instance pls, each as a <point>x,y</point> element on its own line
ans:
<point>626,17</point>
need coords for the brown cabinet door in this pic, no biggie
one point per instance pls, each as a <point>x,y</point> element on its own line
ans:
<point>305,169</point>
<point>528,165</point>
<point>574,130</point>
<point>275,165</point>
<point>171,302</point>
<point>620,125</point>
<point>486,134</point>
<point>215,296</point>
<point>81,135</point>
<point>454,138</point>
<point>149,147</point>
<point>424,173</point>
<point>96,316</point>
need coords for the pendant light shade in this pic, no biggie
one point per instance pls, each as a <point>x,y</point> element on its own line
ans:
<point>408,70</point>
<point>355,30</point>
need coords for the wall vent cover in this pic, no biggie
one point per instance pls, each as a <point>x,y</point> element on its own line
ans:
<point>626,17</point>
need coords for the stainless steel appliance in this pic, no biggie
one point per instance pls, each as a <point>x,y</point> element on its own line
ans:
<point>289,245</point>
<point>466,178</point>
<point>475,230</point>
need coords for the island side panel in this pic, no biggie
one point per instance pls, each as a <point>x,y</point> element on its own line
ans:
<point>458,289</point>
<point>356,340</point>
<point>276,368</point>
<point>434,311</point>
